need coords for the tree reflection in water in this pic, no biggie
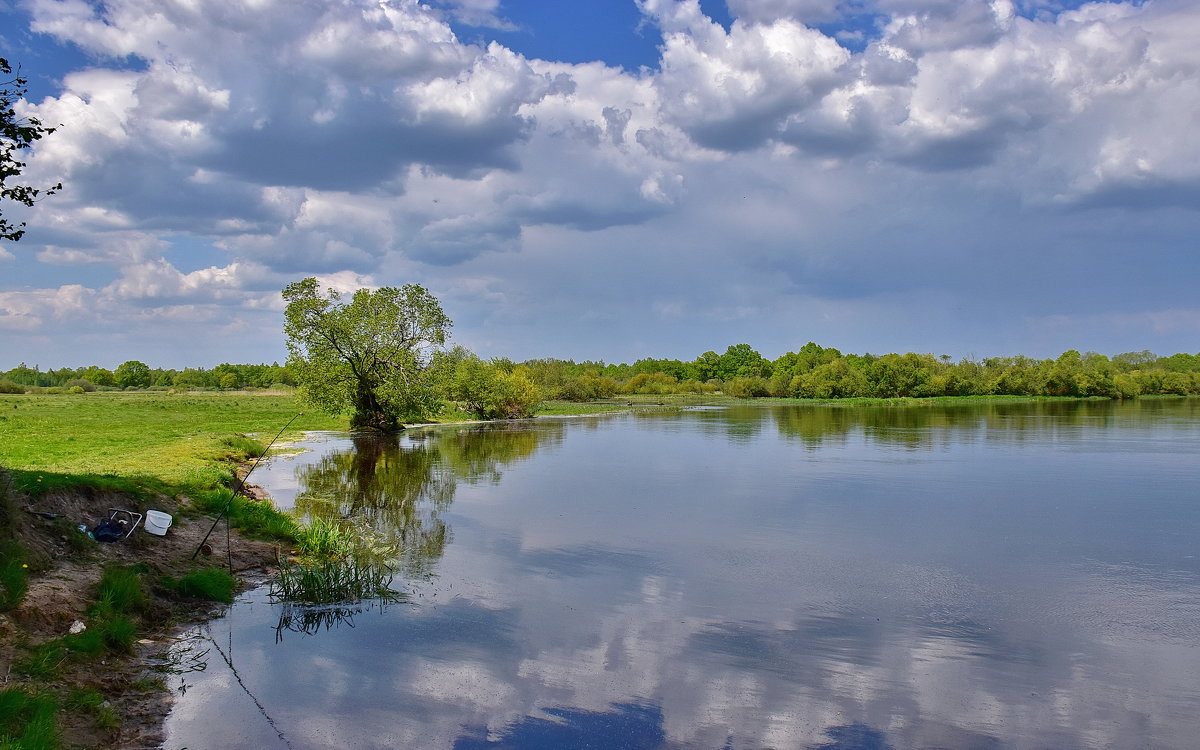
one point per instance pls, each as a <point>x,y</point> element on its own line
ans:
<point>395,488</point>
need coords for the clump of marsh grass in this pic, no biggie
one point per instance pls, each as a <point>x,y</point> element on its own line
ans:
<point>333,581</point>
<point>247,446</point>
<point>27,720</point>
<point>120,595</point>
<point>209,584</point>
<point>324,539</point>
<point>254,518</point>
<point>92,701</point>
<point>338,562</point>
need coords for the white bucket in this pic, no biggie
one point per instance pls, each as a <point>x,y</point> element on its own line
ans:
<point>158,522</point>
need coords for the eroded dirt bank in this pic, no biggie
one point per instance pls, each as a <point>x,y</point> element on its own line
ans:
<point>65,568</point>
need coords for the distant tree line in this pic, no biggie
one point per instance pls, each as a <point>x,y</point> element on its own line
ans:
<point>822,373</point>
<point>489,387</point>
<point>138,375</point>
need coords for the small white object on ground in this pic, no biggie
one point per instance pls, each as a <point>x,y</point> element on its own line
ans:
<point>157,522</point>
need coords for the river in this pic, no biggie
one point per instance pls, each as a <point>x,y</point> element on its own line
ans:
<point>1021,575</point>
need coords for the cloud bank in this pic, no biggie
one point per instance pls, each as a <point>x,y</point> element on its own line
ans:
<point>971,177</point>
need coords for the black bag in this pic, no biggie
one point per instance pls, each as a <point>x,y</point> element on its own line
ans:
<point>108,531</point>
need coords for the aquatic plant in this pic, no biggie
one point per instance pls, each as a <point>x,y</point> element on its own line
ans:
<point>323,539</point>
<point>312,619</point>
<point>333,581</point>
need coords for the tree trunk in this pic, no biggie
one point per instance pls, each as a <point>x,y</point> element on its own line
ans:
<point>369,414</point>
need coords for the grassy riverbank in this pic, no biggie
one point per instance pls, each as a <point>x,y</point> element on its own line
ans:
<point>138,441</point>
<point>70,458</point>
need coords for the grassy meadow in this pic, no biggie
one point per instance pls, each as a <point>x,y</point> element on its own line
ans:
<point>125,440</point>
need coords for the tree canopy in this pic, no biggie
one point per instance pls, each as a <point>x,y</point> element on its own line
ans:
<point>370,355</point>
<point>16,135</point>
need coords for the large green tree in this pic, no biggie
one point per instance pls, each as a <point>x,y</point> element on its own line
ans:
<point>132,374</point>
<point>16,135</point>
<point>369,355</point>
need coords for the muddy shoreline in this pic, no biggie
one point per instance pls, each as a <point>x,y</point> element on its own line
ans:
<point>65,571</point>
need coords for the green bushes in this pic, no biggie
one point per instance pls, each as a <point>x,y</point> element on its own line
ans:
<point>655,383</point>
<point>587,388</point>
<point>751,387</point>
<point>7,386</point>
<point>489,391</point>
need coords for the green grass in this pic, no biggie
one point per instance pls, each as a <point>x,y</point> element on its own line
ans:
<point>43,662</point>
<point>93,702</point>
<point>120,596</point>
<point>136,444</point>
<point>120,590</point>
<point>27,721</point>
<point>14,574</point>
<point>130,442</point>
<point>254,518</point>
<point>209,584</point>
<point>323,538</point>
<point>575,408</point>
<point>246,446</point>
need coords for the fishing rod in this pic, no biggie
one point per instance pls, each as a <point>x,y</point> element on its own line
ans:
<point>241,486</point>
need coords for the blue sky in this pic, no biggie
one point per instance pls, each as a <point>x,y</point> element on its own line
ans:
<point>610,179</point>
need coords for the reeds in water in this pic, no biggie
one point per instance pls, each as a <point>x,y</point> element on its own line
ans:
<point>333,581</point>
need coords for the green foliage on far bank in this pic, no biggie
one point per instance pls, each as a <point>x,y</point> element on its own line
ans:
<point>811,372</point>
<point>485,390</point>
<point>815,372</point>
<point>134,374</point>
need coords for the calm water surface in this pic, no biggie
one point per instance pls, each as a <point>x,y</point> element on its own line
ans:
<point>996,576</point>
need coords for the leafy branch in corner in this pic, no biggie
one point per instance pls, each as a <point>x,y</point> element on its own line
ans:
<point>16,135</point>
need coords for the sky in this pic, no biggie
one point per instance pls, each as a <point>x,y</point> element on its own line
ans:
<point>610,179</point>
